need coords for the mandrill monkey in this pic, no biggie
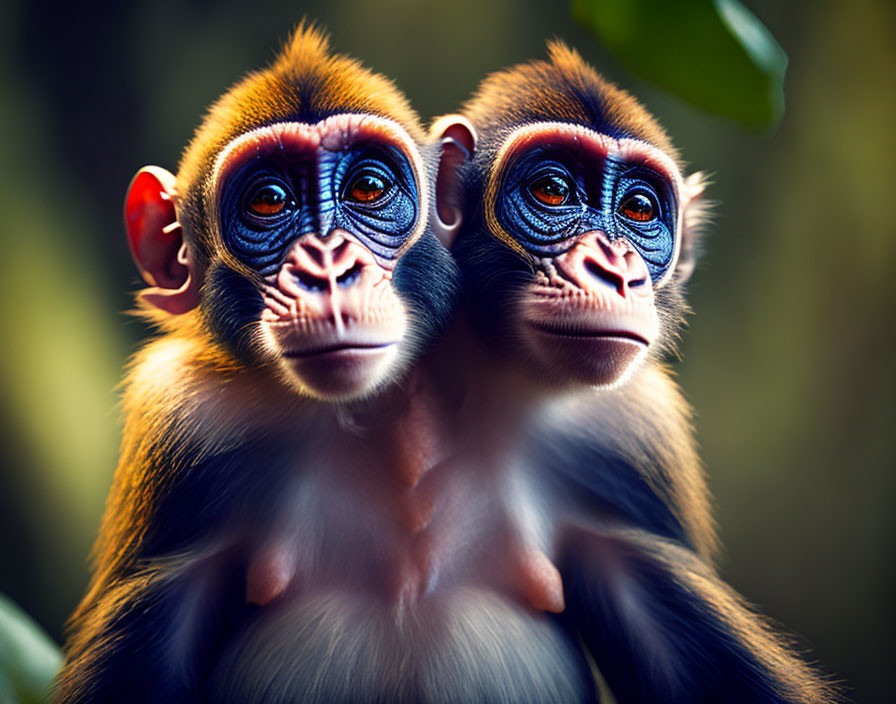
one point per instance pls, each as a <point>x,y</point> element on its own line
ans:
<point>575,233</point>
<point>328,493</point>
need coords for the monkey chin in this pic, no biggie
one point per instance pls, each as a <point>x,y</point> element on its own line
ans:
<point>598,347</point>
<point>339,362</point>
<point>565,358</point>
<point>342,373</point>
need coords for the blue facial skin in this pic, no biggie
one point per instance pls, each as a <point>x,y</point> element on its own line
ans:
<point>593,196</point>
<point>308,194</point>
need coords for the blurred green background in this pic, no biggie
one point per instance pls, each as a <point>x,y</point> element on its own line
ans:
<point>789,361</point>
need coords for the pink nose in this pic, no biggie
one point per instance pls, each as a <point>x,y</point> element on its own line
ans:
<point>597,262</point>
<point>323,265</point>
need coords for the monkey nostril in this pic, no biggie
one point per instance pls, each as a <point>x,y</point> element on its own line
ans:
<point>602,274</point>
<point>637,282</point>
<point>350,276</point>
<point>310,282</point>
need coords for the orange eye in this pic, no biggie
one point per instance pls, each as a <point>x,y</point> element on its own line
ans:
<point>366,188</point>
<point>550,190</point>
<point>638,207</point>
<point>268,200</point>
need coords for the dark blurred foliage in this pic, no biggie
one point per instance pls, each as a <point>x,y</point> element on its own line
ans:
<point>715,54</point>
<point>789,361</point>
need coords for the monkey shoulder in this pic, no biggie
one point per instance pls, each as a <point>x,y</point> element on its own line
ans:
<point>203,394</point>
<point>196,429</point>
<point>610,461</point>
<point>628,454</point>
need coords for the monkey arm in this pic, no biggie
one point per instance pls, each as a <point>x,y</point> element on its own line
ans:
<point>168,586</point>
<point>149,636</point>
<point>662,627</point>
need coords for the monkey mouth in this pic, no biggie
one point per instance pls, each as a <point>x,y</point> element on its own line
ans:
<point>340,368</point>
<point>319,339</point>
<point>598,353</point>
<point>338,349</point>
<point>586,333</point>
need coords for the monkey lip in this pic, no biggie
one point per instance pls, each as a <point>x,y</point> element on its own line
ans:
<point>339,349</point>
<point>579,333</point>
<point>591,352</point>
<point>334,366</point>
<point>315,340</point>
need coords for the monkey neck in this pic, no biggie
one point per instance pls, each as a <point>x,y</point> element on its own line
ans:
<point>486,400</point>
<point>413,428</point>
<point>444,411</point>
<point>495,383</point>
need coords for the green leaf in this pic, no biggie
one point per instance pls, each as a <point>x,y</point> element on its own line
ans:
<point>715,54</point>
<point>28,658</point>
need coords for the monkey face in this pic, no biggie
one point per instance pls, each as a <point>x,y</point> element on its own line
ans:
<point>320,217</point>
<point>598,218</point>
<point>321,265</point>
<point>593,223</point>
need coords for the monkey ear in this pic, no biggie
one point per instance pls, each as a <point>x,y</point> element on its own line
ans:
<point>695,214</point>
<point>456,139</point>
<point>157,244</point>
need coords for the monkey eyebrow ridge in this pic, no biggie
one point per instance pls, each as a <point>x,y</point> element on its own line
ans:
<point>332,134</point>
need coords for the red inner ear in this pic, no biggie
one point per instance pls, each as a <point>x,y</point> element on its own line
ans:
<point>154,235</point>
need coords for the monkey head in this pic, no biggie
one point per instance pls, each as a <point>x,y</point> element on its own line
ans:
<point>572,224</point>
<point>295,231</point>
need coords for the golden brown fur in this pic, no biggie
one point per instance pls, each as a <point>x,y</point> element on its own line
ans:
<point>562,88</point>
<point>170,380</point>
